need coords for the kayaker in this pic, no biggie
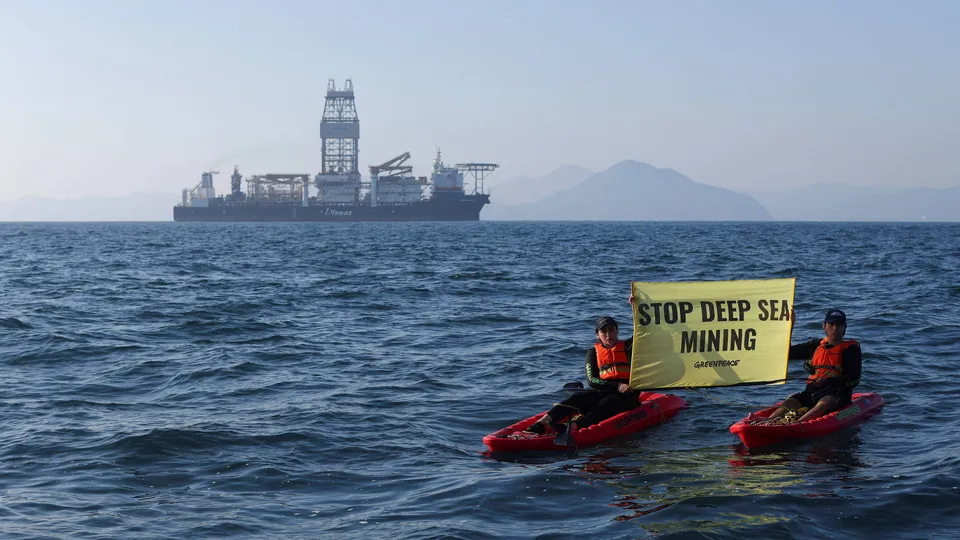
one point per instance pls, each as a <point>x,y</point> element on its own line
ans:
<point>608,374</point>
<point>834,365</point>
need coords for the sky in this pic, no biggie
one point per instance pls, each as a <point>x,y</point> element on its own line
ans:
<point>109,98</point>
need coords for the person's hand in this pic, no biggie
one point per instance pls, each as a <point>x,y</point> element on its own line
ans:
<point>632,299</point>
<point>793,317</point>
<point>623,388</point>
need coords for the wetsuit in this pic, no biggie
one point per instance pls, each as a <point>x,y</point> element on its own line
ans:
<point>840,386</point>
<point>604,401</point>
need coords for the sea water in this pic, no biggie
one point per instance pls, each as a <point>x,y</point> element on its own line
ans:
<point>178,380</point>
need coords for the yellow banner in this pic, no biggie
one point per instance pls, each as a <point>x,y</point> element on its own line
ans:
<point>710,333</point>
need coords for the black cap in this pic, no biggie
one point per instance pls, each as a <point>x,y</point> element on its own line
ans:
<point>605,321</point>
<point>835,315</point>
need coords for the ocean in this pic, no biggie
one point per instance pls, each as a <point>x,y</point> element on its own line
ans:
<point>178,380</point>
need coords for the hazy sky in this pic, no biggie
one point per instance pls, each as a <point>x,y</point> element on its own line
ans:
<point>115,97</point>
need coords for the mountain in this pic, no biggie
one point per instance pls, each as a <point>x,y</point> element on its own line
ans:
<point>635,191</point>
<point>524,189</point>
<point>832,202</point>
<point>144,206</point>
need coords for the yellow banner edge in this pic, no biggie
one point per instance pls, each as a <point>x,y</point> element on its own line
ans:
<point>793,299</point>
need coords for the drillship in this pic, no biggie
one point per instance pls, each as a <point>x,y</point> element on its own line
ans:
<point>391,193</point>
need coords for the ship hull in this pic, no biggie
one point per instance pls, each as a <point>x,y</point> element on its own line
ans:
<point>460,208</point>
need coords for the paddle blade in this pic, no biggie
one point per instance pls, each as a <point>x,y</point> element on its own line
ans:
<point>565,439</point>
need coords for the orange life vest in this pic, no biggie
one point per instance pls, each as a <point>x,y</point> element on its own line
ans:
<point>613,362</point>
<point>828,363</point>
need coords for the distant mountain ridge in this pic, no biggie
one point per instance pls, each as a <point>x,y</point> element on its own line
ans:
<point>635,191</point>
<point>627,191</point>
<point>524,189</point>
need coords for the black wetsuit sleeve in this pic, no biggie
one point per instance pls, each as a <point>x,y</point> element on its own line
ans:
<point>804,350</point>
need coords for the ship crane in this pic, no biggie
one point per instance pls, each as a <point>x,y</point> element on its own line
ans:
<point>393,167</point>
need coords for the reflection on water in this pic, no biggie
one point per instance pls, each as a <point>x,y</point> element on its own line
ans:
<point>716,488</point>
<point>646,483</point>
<point>841,453</point>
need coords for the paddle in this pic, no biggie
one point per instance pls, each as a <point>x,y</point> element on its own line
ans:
<point>564,439</point>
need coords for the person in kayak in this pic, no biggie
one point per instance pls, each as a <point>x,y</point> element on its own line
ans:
<point>834,365</point>
<point>608,374</point>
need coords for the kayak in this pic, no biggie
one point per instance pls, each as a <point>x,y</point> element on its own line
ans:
<point>653,409</point>
<point>861,407</point>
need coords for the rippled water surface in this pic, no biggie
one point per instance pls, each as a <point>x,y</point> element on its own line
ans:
<point>171,380</point>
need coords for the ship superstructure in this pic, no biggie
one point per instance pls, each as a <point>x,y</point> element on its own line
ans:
<point>391,192</point>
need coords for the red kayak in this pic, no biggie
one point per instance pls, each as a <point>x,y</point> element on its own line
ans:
<point>653,409</point>
<point>860,408</point>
